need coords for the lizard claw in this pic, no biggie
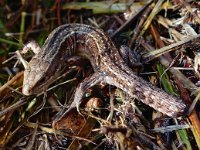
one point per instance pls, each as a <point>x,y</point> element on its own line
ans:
<point>78,108</point>
<point>33,46</point>
<point>23,61</point>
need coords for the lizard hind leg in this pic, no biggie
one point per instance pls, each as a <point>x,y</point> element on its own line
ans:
<point>132,59</point>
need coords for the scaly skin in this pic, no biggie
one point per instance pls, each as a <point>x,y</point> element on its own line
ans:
<point>75,39</point>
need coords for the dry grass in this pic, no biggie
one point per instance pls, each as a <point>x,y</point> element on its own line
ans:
<point>110,119</point>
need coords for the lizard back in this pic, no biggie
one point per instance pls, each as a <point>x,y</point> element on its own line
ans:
<point>76,39</point>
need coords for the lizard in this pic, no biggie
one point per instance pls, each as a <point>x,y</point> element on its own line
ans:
<point>109,67</point>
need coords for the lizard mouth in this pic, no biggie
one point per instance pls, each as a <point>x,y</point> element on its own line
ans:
<point>26,92</point>
<point>26,89</point>
<point>33,91</point>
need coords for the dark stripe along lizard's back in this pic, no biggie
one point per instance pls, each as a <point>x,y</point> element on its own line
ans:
<point>78,39</point>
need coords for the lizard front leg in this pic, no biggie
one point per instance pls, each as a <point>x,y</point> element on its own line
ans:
<point>33,46</point>
<point>88,82</point>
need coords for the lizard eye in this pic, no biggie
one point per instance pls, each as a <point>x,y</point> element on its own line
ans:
<point>42,80</point>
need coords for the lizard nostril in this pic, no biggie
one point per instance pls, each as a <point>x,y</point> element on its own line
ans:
<point>25,92</point>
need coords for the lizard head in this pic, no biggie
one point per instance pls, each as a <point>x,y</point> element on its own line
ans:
<point>39,76</point>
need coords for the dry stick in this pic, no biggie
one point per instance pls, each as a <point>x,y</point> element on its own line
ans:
<point>175,46</point>
<point>151,16</point>
<point>57,132</point>
<point>15,78</point>
<point>187,84</point>
<point>130,21</point>
<point>189,8</point>
<point>32,139</point>
<point>166,59</point>
<point>13,107</point>
<point>138,28</point>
